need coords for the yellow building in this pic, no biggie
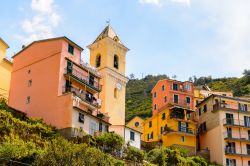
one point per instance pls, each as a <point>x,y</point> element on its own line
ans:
<point>5,70</point>
<point>108,55</point>
<point>136,123</point>
<point>173,125</point>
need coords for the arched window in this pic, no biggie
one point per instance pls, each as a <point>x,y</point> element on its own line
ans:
<point>115,93</point>
<point>116,61</point>
<point>98,60</point>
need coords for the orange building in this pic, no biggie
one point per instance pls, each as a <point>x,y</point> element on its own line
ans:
<point>49,81</point>
<point>173,121</point>
<point>173,92</point>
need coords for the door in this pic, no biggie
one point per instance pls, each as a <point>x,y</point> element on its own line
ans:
<point>247,121</point>
<point>69,67</point>
<point>182,127</point>
<point>176,99</point>
<point>248,149</point>
<point>91,80</point>
<point>230,119</point>
<point>68,86</point>
<point>231,147</point>
<point>229,132</point>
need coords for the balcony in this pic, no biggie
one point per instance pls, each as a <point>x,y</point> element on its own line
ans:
<point>182,103</point>
<point>230,107</point>
<point>236,123</point>
<point>84,96</point>
<point>179,130</point>
<point>80,77</point>
<point>231,136</point>
<point>232,151</point>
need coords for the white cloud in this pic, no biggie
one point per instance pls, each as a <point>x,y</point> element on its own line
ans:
<point>160,3</point>
<point>152,2</point>
<point>230,20</point>
<point>42,23</point>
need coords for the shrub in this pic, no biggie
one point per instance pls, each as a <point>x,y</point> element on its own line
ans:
<point>134,154</point>
<point>110,143</point>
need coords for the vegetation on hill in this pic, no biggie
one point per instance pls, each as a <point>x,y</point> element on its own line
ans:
<point>25,141</point>
<point>138,92</point>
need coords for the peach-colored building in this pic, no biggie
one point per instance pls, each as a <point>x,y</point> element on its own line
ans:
<point>224,129</point>
<point>49,81</point>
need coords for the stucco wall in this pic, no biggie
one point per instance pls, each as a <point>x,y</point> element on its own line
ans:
<point>137,142</point>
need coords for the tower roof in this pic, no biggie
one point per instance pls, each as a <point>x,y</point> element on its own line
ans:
<point>108,32</point>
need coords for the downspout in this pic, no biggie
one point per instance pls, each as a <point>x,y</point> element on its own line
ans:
<point>240,135</point>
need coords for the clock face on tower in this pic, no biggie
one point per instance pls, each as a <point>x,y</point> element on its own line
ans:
<point>118,86</point>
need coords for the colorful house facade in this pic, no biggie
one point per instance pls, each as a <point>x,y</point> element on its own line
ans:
<point>49,81</point>
<point>173,121</point>
<point>5,70</point>
<point>224,129</point>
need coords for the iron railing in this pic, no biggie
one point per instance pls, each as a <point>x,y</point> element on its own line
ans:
<point>84,96</point>
<point>83,78</point>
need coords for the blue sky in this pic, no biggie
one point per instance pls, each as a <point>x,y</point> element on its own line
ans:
<point>173,37</point>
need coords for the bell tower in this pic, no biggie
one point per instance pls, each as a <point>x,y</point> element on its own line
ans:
<point>108,55</point>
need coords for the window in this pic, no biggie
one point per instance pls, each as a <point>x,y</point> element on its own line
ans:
<point>93,127</point>
<point>150,124</point>
<point>29,83</point>
<point>229,118</point>
<point>29,71</point>
<point>116,61</point>
<point>247,121</point>
<point>71,49</point>
<point>148,136</point>
<point>248,163</point>
<point>203,127</point>
<point>152,135</point>
<point>100,127</point>
<point>199,111</point>
<point>243,107</point>
<point>106,128</point>
<point>231,162</point>
<point>188,100</point>
<point>154,94</point>
<point>163,116</point>
<point>137,124</point>
<point>205,108</point>
<point>175,86</point>
<point>162,87</point>
<point>248,149</point>
<point>162,129</point>
<point>132,135</point>
<point>98,60</point>
<point>176,99</point>
<point>81,118</point>
<point>28,99</point>
<point>155,107</point>
<point>188,87</point>
<point>182,139</point>
<point>165,99</point>
<point>115,93</point>
<point>248,132</point>
<point>197,102</point>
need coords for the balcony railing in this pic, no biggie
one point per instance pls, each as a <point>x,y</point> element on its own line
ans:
<point>230,150</point>
<point>236,122</point>
<point>231,106</point>
<point>181,129</point>
<point>83,78</point>
<point>180,102</point>
<point>84,96</point>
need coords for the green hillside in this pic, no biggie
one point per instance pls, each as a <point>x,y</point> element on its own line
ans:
<point>138,92</point>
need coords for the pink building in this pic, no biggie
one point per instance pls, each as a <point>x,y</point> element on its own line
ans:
<point>48,81</point>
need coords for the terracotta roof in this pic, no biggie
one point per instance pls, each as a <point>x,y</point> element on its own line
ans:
<point>224,97</point>
<point>50,39</point>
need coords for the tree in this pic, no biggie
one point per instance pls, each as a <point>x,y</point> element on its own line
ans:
<point>131,76</point>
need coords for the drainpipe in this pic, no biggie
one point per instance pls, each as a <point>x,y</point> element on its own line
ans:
<point>240,135</point>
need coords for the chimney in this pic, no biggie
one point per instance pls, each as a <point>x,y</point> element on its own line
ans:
<point>23,46</point>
